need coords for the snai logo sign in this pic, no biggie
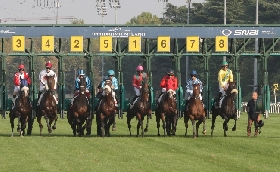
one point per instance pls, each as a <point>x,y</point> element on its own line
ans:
<point>241,32</point>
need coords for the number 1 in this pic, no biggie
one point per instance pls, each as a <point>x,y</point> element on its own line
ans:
<point>134,43</point>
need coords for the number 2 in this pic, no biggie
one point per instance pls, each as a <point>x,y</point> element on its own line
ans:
<point>76,43</point>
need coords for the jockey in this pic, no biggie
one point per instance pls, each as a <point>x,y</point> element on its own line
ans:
<point>189,87</point>
<point>136,82</point>
<point>169,81</point>
<point>224,77</point>
<point>115,84</point>
<point>43,73</point>
<point>21,74</point>
<point>81,74</point>
<point>99,93</point>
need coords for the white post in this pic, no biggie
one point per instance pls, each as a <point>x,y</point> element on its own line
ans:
<point>256,49</point>
<point>225,21</point>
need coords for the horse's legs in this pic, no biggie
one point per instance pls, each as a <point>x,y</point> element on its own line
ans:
<point>48,124</point>
<point>225,126</point>
<point>168,125</point>
<point>204,125</point>
<point>102,124</point>
<point>12,123</point>
<point>128,122</point>
<point>18,128</point>
<point>235,119</point>
<point>174,124</point>
<point>147,125</point>
<point>30,124</point>
<point>54,125</point>
<point>214,116</point>
<point>40,123</point>
<point>194,128</point>
<point>23,125</point>
<point>186,119</point>
<point>73,126</point>
<point>158,122</point>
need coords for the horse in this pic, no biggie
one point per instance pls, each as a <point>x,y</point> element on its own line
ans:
<point>47,107</point>
<point>195,111</point>
<point>228,110</point>
<point>167,112</point>
<point>22,109</point>
<point>140,109</point>
<point>78,113</point>
<point>106,111</point>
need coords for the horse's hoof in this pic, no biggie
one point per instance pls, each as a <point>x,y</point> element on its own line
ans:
<point>146,130</point>
<point>225,135</point>
<point>234,128</point>
<point>158,134</point>
<point>114,129</point>
<point>204,132</point>
<point>53,127</point>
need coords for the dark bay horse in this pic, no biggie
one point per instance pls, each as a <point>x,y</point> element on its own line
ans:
<point>106,110</point>
<point>195,111</point>
<point>22,109</point>
<point>228,110</point>
<point>47,107</point>
<point>78,113</point>
<point>140,109</point>
<point>167,112</point>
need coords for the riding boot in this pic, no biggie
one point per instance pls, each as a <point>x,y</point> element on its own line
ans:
<point>39,95</point>
<point>99,100</point>
<point>134,98</point>
<point>14,101</point>
<point>187,104</point>
<point>158,99</point>
<point>217,100</point>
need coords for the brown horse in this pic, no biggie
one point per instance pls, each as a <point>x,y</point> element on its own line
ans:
<point>167,112</point>
<point>47,107</point>
<point>195,111</point>
<point>106,111</point>
<point>228,110</point>
<point>140,109</point>
<point>22,110</point>
<point>78,113</point>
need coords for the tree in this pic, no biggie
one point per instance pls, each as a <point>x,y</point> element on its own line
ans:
<point>144,18</point>
<point>77,21</point>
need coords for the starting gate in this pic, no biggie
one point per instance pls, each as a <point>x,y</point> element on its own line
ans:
<point>203,41</point>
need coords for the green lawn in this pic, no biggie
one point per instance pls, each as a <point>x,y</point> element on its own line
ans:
<point>63,152</point>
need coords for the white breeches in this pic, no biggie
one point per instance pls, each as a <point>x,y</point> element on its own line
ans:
<point>43,88</point>
<point>17,89</point>
<point>225,84</point>
<point>137,91</point>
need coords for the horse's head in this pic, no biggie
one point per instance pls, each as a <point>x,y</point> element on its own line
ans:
<point>232,89</point>
<point>50,83</point>
<point>145,86</point>
<point>196,89</point>
<point>170,93</point>
<point>82,85</point>
<point>24,91</point>
<point>108,87</point>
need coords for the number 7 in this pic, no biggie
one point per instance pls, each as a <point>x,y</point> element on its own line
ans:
<point>192,41</point>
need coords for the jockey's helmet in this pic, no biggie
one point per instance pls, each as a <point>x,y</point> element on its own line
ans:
<point>193,73</point>
<point>260,123</point>
<point>49,64</point>
<point>81,72</point>
<point>170,72</point>
<point>111,72</point>
<point>21,66</point>
<point>99,85</point>
<point>139,68</point>
<point>224,63</point>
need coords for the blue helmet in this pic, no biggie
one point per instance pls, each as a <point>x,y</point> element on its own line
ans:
<point>193,72</point>
<point>81,72</point>
<point>111,72</point>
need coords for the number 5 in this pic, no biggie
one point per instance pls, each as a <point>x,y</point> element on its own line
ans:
<point>106,44</point>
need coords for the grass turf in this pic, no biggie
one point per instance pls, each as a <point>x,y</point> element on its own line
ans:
<point>63,152</point>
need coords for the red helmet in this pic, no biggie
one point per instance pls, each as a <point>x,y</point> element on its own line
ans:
<point>48,64</point>
<point>21,66</point>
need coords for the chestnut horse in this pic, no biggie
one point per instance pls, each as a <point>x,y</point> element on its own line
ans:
<point>167,112</point>
<point>78,113</point>
<point>106,110</point>
<point>140,109</point>
<point>195,111</point>
<point>228,110</point>
<point>47,107</point>
<point>22,109</point>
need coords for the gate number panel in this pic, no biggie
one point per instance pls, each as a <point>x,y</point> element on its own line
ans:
<point>105,44</point>
<point>192,43</point>
<point>134,44</point>
<point>163,44</point>
<point>18,43</point>
<point>76,44</point>
<point>47,43</point>
<point>221,44</point>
